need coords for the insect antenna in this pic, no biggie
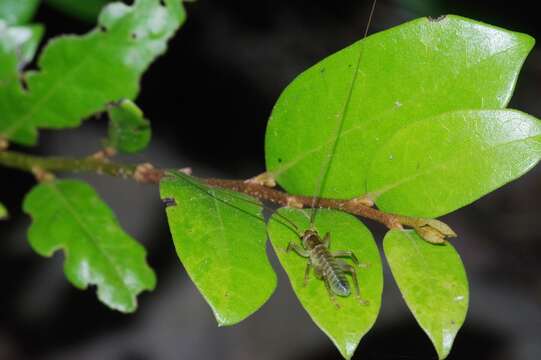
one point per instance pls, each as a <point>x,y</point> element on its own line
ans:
<point>208,191</point>
<point>327,164</point>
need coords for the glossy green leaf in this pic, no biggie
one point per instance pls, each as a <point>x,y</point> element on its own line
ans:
<point>346,325</point>
<point>129,131</point>
<point>433,282</point>
<point>414,71</point>
<point>80,75</point>
<point>3,212</point>
<point>440,164</point>
<point>16,12</point>
<point>69,215</point>
<point>220,239</point>
<point>87,10</point>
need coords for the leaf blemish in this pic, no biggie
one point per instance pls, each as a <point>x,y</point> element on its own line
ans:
<point>169,202</point>
<point>436,18</point>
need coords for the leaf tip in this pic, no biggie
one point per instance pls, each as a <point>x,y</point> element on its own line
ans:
<point>224,321</point>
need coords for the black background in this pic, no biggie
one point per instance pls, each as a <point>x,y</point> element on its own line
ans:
<point>209,99</point>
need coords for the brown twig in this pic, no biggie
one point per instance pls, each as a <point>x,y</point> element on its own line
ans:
<point>432,230</point>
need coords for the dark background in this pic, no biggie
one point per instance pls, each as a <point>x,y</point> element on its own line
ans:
<point>209,99</point>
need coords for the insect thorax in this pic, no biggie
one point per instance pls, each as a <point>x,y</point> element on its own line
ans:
<point>310,239</point>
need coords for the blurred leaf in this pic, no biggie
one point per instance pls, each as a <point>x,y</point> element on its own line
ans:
<point>346,325</point>
<point>433,282</point>
<point>16,12</point>
<point>20,43</point>
<point>129,131</point>
<point>87,10</point>
<point>3,212</point>
<point>69,215</point>
<point>17,47</point>
<point>220,239</point>
<point>411,72</point>
<point>8,59</point>
<point>81,74</point>
<point>440,164</point>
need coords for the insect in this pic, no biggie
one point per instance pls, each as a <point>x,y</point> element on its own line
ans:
<point>327,264</point>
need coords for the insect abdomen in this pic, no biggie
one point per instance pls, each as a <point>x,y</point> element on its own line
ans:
<point>326,265</point>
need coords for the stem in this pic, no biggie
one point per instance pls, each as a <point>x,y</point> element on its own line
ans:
<point>279,197</point>
<point>146,173</point>
<point>30,163</point>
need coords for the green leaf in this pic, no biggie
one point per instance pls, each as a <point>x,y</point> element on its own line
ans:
<point>3,212</point>
<point>414,71</point>
<point>87,10</point>
<point>20,44</point>
<point>433,282</point>
<point>220,239</point>
<point>16,12</point>
<point>346,325</point>
<point>69,215</point>
<point>129,131</point>
<point>440,164</point>
<point>17,47</point>
<point>80,75</point>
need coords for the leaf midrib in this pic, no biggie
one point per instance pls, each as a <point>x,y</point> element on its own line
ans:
<point>374,194</point>
<point>88,233</point>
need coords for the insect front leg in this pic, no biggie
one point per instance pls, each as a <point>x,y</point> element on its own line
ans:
<point>298,249</point>
<point>345,267</point>
<point>326,240</point>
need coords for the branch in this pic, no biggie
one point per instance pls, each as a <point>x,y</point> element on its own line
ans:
<point>430,229</point>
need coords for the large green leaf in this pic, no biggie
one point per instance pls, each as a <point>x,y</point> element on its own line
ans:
<point>346,325</point>
<point>87,10</point>
<point>129,131</point>
<point>3,212</point>
<point>439,164</point>
<point>220,239</point>
<point>17,11</point>
<point>79,75</point>
<point>69,215</point>
<point>433,282</point>
<point>414,71</point>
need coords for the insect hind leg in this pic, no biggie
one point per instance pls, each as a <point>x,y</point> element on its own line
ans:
<point>345,267</point>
